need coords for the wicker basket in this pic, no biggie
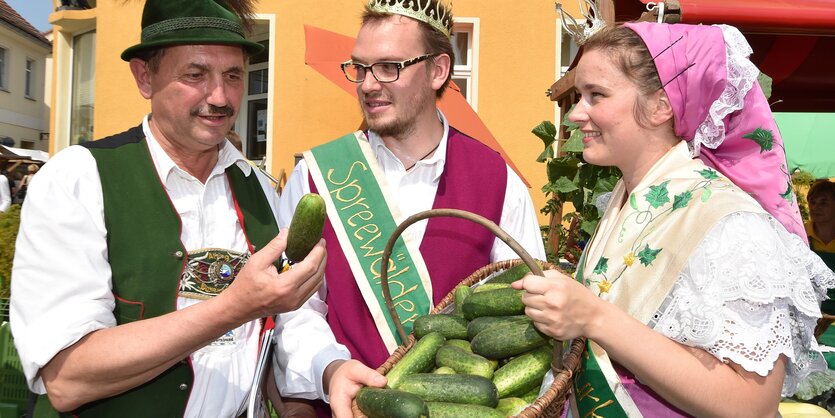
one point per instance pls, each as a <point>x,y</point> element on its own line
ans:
<point>550,404</point>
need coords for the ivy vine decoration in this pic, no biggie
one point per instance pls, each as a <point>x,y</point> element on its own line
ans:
<point>655,205</point>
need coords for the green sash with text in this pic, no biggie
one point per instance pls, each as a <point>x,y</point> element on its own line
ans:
<point>592,393</point>
<point>363,216</point>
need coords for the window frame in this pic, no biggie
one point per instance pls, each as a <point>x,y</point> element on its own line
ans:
<point>72,87</point>
<point>469,71</point>
<point>242,123</point>
<point>29,79</point>
<point>4,65</point>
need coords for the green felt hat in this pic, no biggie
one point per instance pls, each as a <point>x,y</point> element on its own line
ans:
<point>190,22</point>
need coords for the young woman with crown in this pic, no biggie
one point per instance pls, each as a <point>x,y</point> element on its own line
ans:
<point>697,291</point>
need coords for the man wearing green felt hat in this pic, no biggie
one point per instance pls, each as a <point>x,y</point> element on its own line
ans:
<point>145,260</point>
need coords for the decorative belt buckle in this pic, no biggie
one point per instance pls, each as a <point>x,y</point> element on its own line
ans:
<point>209,271</point>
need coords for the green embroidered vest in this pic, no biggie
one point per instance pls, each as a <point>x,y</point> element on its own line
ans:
<point>147,258</point>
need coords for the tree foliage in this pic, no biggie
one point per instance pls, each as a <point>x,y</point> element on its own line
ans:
<point>9,224</point>
<point>571,180</point>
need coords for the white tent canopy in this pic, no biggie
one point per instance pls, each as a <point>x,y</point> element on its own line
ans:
<point>31,153</point>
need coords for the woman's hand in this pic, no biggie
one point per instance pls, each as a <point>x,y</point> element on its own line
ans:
<point>558,305</point>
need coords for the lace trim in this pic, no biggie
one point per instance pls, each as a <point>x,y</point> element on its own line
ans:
<point>741,74</point>
<point>750,293</point>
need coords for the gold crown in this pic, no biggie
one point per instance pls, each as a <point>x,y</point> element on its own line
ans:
<point>591,24</point>
<point>437,16</point>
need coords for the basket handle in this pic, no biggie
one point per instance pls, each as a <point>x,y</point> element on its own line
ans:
<point>556,363</point>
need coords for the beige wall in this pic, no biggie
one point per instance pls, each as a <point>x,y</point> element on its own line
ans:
<point>517,63</point>
<point>23,118</point>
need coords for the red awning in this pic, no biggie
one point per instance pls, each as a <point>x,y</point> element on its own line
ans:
<point>809,17</point>
<point>793,43</point>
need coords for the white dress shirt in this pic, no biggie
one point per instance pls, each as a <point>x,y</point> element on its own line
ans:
<point>62,280</point>
<point>5,194</point>
<point>305,344</point>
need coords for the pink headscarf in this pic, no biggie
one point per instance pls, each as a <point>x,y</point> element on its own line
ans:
<point>720,109</point>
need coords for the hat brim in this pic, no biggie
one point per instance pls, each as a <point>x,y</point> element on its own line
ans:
<point>250,47</point>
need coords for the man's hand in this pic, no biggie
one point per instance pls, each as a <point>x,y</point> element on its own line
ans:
<point>259,290</point>
<point>344,378</point>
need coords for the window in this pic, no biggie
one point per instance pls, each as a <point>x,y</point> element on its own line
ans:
<point>254,115</point>
<point>28,90</point>
<point>465,45</point>
<point>3,57</point>
<point>83,88</point>
<point>568,50</point>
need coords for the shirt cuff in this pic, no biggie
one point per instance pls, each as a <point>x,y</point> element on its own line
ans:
<point>321,362</point>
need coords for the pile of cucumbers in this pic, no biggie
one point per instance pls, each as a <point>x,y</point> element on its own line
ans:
<point>485,359</point>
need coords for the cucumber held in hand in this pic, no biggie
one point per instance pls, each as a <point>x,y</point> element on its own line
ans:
<point>497,302</point>
<point>507,340</point>
<point>306,227</point>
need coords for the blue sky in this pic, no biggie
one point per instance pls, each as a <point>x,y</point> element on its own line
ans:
<point>35,11</point>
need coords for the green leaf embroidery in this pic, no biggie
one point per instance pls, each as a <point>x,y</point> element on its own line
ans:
<point>633,202</point>
<point>658,195</point>
<point>706,194</point>
<point>601,266</point>
<point>648,255</point>
<point>682,200</point>
<point>763,137</point>
<point>709,174</point>
<point>788,195</point>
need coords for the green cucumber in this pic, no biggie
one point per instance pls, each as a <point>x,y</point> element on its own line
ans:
<point>444,370</point>
<point>507,340</point>
<point>389,403</point>
<point>455,388</point>
<point>523,373</point>
<point>511,407</point>
<point>531,395</point>
<point>462,344</point>
<point>491,286</point>
<point>417,360</point>
<point>463,362</point>
<point>305,227</point>
<point>461,294</point>
<point>458,410</point>
<point>450,326</point>
<point>481,323</point>
<point>513,274</point>
<point>498,302</point>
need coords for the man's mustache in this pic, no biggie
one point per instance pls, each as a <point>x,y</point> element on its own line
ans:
<point>211,110</point>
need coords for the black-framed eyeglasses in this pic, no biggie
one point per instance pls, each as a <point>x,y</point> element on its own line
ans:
<point>383,71</point>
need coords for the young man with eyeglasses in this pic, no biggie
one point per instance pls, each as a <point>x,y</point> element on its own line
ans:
<point>409,160</point>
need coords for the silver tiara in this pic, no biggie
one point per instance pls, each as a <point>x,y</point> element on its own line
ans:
<point>591,24</point>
